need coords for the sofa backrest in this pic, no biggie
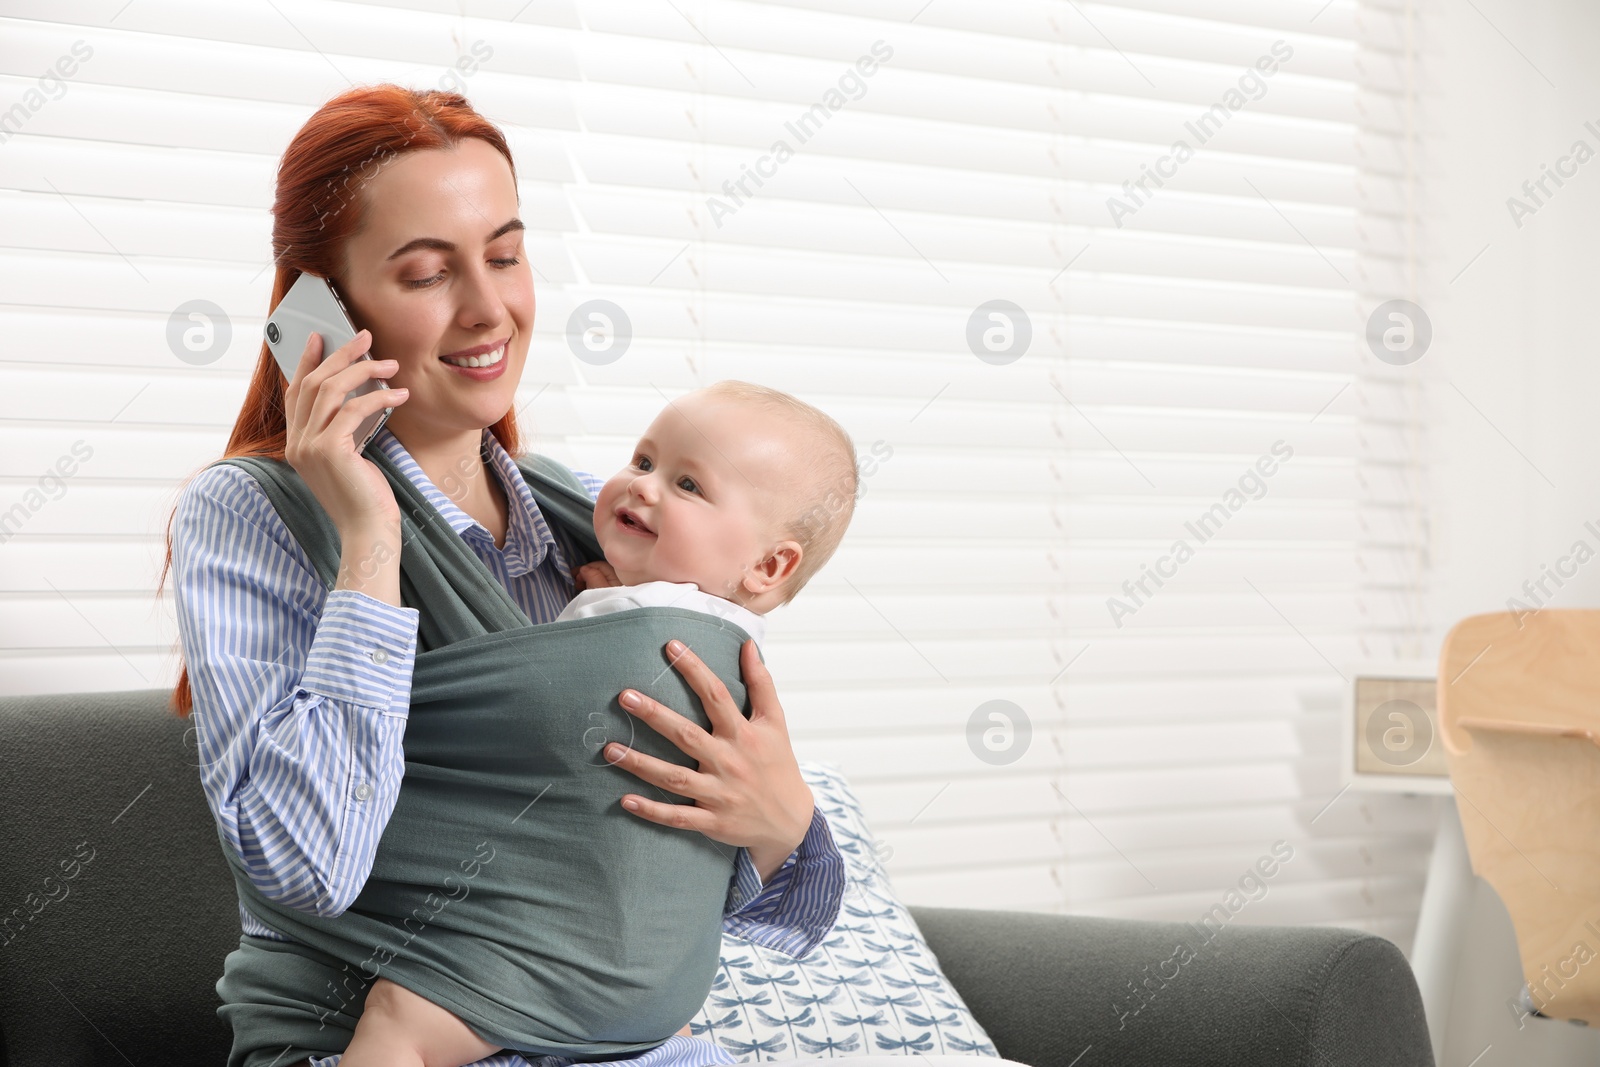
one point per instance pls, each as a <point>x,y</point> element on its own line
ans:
<point>116,905</point>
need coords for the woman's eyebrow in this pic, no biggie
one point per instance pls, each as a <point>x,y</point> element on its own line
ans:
<point>441,245</point>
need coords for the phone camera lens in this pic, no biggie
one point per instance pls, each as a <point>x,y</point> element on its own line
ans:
<point>272,333</point>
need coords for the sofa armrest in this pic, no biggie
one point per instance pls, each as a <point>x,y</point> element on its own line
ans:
<point>116,958</point>
<point>1059,990</point>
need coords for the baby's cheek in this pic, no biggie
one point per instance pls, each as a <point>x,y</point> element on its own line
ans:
<point>693,556</point>
<point>703,558</point>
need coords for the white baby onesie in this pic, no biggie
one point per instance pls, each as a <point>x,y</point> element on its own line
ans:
<point>592,602</point>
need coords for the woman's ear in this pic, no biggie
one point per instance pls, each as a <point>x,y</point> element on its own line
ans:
<point>781,561</point>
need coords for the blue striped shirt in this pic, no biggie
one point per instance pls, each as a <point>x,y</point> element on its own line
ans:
<point>301,696</point>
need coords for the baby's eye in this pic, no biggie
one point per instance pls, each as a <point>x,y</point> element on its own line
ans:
<point>687,484</point>
<point>641,461</point>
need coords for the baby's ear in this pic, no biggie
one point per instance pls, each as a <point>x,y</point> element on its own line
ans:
<point>778,567</point>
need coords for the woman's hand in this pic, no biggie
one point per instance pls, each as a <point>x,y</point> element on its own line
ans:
<point>320,443</point>
<point>748,790</point>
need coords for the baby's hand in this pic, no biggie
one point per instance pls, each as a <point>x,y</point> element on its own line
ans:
<point>596,575</point>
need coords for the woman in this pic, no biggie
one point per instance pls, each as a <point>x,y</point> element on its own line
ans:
<point>407,201</point>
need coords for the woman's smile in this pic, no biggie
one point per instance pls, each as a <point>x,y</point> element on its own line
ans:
<point>482,366</point>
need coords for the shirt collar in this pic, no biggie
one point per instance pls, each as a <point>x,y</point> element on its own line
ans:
<point>528,537</point>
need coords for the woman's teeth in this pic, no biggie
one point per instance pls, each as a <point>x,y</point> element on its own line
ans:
<point>487,360</point>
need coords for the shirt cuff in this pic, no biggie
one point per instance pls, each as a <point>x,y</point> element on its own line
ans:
<point>797,908</point>
<point>364,650</point>
<point>747,881</point>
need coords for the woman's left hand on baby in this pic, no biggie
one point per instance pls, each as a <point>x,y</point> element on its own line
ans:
<point>748,790</point>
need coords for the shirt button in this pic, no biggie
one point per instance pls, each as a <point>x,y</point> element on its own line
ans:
<point>363,791</point>
<point>380,656</point>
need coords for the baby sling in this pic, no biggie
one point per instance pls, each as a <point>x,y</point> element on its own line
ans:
<point>509,885</point>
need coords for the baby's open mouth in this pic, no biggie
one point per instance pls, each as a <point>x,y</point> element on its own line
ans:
<point>631,521</point>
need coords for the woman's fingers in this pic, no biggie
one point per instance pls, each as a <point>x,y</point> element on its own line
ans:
<point>350,417</point>
<point>673,777</point>
<point>747,789</point>
<point>294,395</point>
<point>725,718</point>
<point>333,391</point>
<point>682,816</point>
<point>759,686</point>
<point>685,735</point>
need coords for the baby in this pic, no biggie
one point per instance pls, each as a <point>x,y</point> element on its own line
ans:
<point>735,496</point>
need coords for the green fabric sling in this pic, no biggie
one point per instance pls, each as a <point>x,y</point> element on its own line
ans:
<point>509,885</point>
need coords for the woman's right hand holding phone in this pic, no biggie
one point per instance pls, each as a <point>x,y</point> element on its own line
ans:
<point>320,446</point>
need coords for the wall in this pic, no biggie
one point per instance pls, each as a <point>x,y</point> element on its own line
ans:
<point>1514,381</point>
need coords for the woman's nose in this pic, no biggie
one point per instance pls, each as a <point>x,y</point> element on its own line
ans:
<point>480,304</point>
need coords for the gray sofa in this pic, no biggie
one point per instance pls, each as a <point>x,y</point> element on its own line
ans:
<point>118,965</point>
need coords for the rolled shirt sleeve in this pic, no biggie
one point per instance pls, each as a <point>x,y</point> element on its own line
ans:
<point>796,910</point>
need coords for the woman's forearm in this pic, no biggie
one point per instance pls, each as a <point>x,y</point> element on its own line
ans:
<point>369,562</point>
<point>768,859</point>
<point>768,856</point>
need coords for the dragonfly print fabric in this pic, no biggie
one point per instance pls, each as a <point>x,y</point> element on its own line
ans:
<point>872,987</point>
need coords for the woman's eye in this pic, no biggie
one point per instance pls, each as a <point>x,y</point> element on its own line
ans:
<point>422,283</point>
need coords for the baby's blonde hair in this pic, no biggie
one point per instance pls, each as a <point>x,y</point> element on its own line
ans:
<point>828,461</point>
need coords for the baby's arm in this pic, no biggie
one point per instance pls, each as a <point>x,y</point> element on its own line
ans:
<point>398,1028</point>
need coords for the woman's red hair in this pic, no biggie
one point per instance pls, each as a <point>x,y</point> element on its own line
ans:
<point>316,208</point>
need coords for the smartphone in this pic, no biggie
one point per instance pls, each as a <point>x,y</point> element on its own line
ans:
<point>311,306</point>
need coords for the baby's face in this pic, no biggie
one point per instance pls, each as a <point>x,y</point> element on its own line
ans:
<point>695,504</point>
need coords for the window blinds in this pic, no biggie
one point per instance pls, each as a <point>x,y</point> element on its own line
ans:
<point>1084,281</point>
